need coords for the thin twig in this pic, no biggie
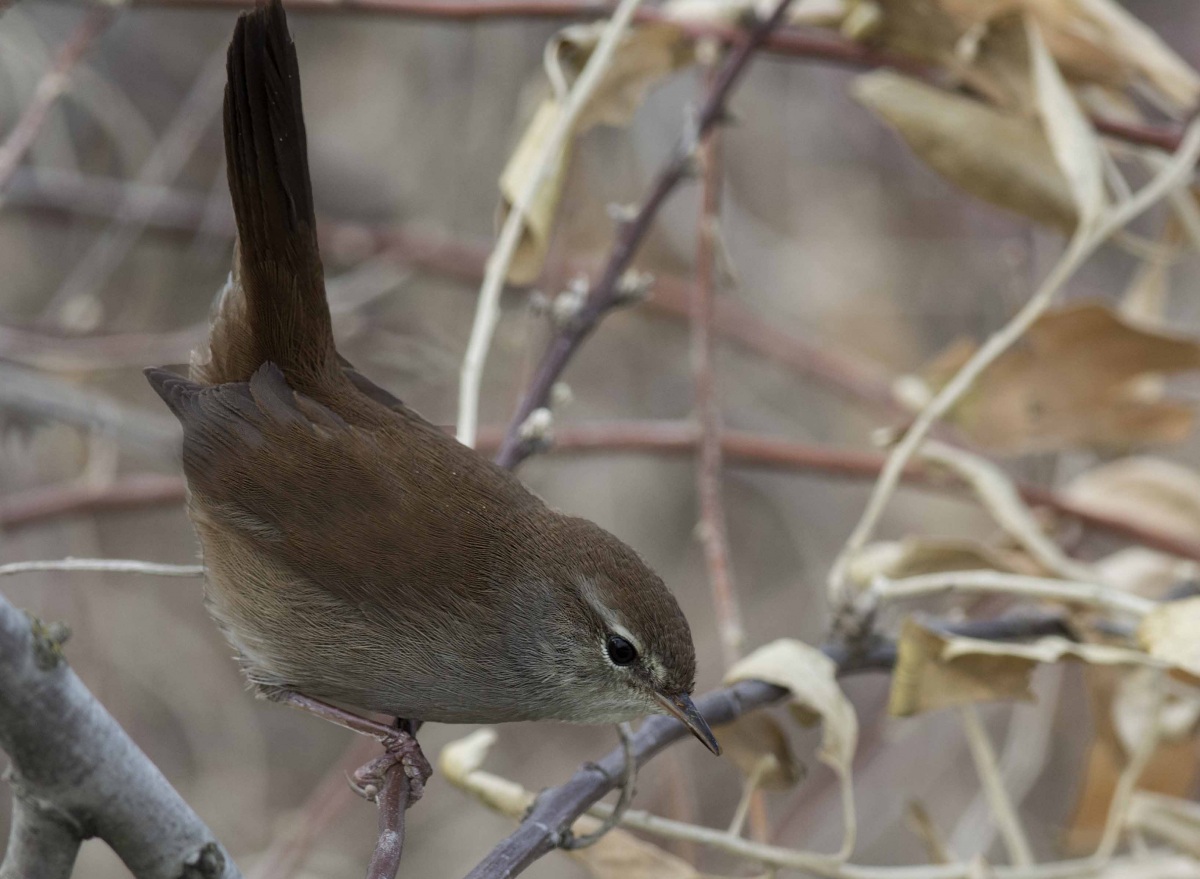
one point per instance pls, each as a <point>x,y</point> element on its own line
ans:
<point>992,783</point>
<point>1072,591</point>
<point>714,535</point>
<point>106,566</point>
<point>1127,782</point>
<point>739,448</point>
<point>805,43</point>
<point>49,88</point>
<point>605,294</point>
<point>1083,244</point>
<point>487,311</point>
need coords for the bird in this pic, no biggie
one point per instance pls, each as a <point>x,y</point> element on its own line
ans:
<point>356,554</point>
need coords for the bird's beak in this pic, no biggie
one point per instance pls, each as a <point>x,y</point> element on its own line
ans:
<point>684,710</point>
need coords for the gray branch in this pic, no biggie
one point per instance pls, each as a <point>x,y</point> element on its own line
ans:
<point>76,774</point>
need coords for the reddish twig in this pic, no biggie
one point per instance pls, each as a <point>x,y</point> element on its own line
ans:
<point>787,41</point>
<point>606,293</point>
<point>77,498</point>
<point>49,89</point>
<point>738,448</point>
<point>714,535</point>
<point>393,803</point>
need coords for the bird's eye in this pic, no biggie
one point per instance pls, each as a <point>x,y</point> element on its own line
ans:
<point>620,651</point>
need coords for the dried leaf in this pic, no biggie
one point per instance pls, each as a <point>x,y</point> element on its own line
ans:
<point>810,677</point>
<point>1171,632</point>
<point>1072,138</point>
<point>1144,572</point>
<point>531,251</point>
<point>1133,709</point>
<point>934,555</point>
<point>644,55</point>
<point>923,681</point>
<point>1160,495</point>
<point>1001,158</point>
<point>1073,379</point>
<point>758,745</point>
<point>819,13</point>
<point>936,671</point>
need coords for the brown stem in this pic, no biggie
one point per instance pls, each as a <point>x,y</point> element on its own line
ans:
<point>393,803</point>
<point>739,448</point>
<point>606,293</point>
<point>787,41</point>
<point>714,535</point>
<point>49,89</point>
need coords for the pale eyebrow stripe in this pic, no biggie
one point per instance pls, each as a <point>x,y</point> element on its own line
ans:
<point>608,615</point>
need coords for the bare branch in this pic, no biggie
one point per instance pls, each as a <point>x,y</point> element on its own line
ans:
<point>605,294</point>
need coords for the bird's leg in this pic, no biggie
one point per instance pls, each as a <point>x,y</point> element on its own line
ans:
<point>400,746</point>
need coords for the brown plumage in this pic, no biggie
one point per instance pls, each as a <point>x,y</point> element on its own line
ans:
<point>355,552</point>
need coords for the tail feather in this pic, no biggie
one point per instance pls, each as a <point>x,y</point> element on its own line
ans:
<point>278,273</point>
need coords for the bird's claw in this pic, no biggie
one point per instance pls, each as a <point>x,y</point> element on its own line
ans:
<point>401,750</point>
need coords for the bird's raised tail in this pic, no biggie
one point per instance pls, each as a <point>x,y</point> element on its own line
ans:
<point>274,309</point>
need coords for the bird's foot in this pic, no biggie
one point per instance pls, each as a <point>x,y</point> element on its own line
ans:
<point>402,753</point>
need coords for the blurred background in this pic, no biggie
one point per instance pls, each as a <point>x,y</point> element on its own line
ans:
<point>115,235</point>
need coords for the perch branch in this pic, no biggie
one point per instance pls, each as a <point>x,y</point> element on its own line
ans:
<point>71,758</point>
<point>556,809</point>
<point>606,293</point>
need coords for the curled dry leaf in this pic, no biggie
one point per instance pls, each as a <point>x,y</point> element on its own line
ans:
<point>1171,632</point>
<point>618,855</point>
<point>1072,138</point>
<point>1092,41</point>
<point>810,677</point>
<point>1158,494</point>
<point>1073,379</point>
<point>1001,158</point>
<point>759,746</point>
<point>645,55</point>
<point>914,556</point>
<point>937,671</point>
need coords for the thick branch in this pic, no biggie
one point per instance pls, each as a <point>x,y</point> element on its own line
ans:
<point>73,760</point>
<point>41,843</point>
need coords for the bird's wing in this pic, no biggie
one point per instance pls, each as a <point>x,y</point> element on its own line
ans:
<point>359,513</point>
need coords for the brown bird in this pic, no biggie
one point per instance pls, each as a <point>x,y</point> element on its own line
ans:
<point>356,553</point>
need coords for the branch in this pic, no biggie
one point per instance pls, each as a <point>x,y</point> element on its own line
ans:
<point>739,448</point>
<point>487,310</point>
<point>71,759</point>
<point>606,294</point>
<point>714,535</point>
<point>49,89</point>
<point>556,809</point>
